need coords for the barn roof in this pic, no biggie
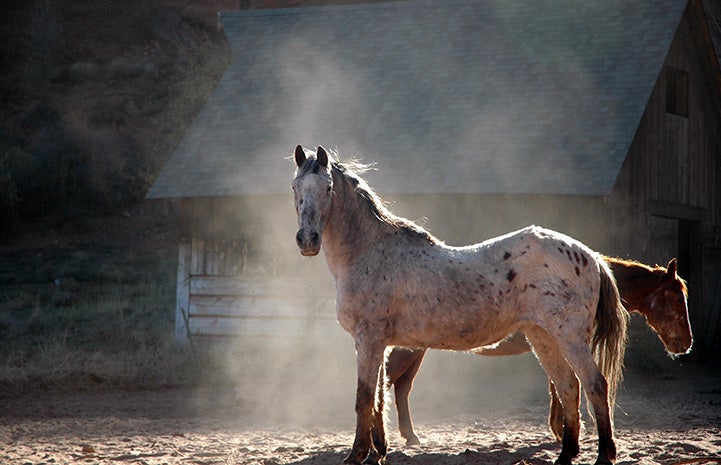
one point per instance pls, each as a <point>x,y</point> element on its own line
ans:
<point>445,96</point>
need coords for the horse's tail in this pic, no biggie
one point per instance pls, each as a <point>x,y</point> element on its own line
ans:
<point>609,336</point>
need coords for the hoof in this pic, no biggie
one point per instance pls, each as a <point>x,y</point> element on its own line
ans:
<point>374,461</point>
<point>351,461</point>
<point>563,460</point>
<point>374,458</point>
<point>413,441</point>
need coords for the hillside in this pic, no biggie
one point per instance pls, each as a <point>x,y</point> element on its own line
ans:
<point>95,96</point>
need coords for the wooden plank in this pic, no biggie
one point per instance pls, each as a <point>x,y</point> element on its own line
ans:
<point>197,260</point>
<point>258,307</point>
<point>674,210</point>
<point>234,285</point>
<point>182,298</point>
<point>257,327</point>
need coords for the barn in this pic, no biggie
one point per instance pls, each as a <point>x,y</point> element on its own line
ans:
<point>600,120</point>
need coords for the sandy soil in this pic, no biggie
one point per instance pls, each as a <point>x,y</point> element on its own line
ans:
<point>668,418</point>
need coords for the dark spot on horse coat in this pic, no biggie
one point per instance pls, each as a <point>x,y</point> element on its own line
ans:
<point>585,260</point>
<point>507,255</point>
<point>532,286</point>
<point>546,265</point>
<point>511,274</point>
<point>575,255</point>
<point>578,272</point>
<point>568,253</point>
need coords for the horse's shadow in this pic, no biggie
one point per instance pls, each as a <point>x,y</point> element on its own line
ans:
<point>484,456</point>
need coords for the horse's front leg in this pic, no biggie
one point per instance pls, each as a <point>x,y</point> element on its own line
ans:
<point>370,441</point>
<point>378,433</point>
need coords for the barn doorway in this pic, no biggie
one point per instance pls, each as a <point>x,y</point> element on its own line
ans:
<point>690,249</point>
<point>690,267</point>
<point>681,238</point>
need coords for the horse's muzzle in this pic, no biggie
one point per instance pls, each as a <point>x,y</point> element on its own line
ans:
<point>309,243</point>
<point>680,346</point>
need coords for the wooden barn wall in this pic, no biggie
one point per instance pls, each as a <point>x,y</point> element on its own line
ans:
<point>461,219</point>
<point>240,272</point>
<point>667,198</point>
<point>256,235</point>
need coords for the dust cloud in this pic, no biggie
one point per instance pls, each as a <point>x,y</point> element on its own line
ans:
<point>319,98</point>
<point>307,377</point>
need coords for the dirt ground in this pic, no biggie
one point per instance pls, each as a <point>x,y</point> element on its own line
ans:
<point>668,418</point>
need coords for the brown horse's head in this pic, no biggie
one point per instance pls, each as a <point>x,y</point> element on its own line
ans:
<point>313,190</point>
<point>669,315</point>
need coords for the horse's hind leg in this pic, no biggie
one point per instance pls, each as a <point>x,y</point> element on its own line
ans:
<point>566,386</point>
<point>555,415</point>
<point>402,367</point>
<point>580,358</point>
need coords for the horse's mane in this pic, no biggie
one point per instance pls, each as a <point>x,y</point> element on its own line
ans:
<point>638,269</point>
<point>349,172</point>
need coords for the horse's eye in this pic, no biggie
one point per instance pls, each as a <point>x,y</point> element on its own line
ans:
<point>300,202</point>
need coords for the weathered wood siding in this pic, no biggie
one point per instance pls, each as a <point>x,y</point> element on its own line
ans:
<point>461,219</point>
<point>674,160</point>
<point>240,273</point>
<point>231,285</point>
<point>667,199</point>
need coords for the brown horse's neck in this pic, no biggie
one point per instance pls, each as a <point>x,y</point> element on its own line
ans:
<point>635,282</point>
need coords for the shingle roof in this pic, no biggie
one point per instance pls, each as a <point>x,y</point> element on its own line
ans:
<point>455,96</point>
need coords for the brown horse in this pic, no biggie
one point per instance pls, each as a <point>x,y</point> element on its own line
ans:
<point>399,286</point>
<point>657,293</point>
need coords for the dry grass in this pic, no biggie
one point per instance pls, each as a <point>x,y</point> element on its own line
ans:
<point>95,95</point>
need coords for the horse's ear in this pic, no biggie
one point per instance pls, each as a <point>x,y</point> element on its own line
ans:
<point>299,156</point>
<point>322,157</point>
<point>671,268</point>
